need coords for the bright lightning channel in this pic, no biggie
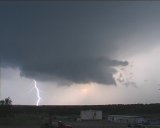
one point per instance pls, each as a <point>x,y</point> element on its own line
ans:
<point>37,90</point>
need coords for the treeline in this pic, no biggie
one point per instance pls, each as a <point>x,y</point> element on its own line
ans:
<point>107,109</point>
<point>75,110</point>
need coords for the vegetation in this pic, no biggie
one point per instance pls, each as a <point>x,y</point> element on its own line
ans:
<point>32,115</point>
<point>75,110</point>
<point>6,108</point>
<point>6,101</point>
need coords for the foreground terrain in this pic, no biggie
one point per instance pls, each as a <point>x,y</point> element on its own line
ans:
<point>83,124</point>
<point>18,116</point>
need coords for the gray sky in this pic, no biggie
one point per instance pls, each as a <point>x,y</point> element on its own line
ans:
<point>80,52</point>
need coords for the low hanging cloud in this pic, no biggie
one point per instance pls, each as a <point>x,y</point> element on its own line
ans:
<point>78,71</point>
<point>98,70</point>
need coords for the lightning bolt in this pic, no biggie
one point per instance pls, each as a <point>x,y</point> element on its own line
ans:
<point>37,90</point>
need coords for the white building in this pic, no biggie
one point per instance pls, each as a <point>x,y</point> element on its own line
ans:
<point>126,119</point>
<point>91,115</point>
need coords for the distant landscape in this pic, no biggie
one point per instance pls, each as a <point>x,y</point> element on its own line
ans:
<point>31,116</point>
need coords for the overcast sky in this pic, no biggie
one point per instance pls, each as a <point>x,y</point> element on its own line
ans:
<point>80,52</point>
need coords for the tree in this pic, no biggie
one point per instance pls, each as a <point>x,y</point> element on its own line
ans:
<point>2,102</point>
<point>6,101</point>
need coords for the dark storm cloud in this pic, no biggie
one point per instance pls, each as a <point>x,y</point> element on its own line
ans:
<point>67,42</point>
<point>77,70</point>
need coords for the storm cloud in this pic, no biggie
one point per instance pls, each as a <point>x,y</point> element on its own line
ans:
<point>63,42</point>
<point>54,62</point>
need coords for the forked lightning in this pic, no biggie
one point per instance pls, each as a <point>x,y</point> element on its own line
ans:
<point>38,94</point>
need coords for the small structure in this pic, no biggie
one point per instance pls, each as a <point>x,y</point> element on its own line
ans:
<point>126,119</point>
<point>91,115</point>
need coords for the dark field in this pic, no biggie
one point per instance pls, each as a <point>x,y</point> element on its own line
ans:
<point>35,121</point>
<point>74,124</point>
<point>32,116</point>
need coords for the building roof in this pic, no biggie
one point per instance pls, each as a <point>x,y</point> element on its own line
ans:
<point>126,116</point>
<point>90,110</point>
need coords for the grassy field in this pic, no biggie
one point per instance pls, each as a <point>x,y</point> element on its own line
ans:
<point>96,124</point>
<point>84,124</point>
<point>20,119</point>
<point>35,121</point>
<point>2,126</point>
